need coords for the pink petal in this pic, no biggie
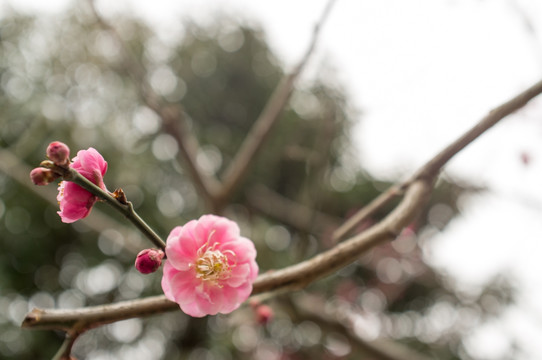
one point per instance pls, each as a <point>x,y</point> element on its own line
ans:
<point>239,275</point>
<point>210,300</point>
<point>232,300</point>
<point>192,309</point>
<point>175,251</point>
<point>75,202</point>
<point>224,230</point>
<point>254,269</point>
<point>92,160</point>
<point>243,291</point>
<point>203,230</point>
<point>190,240</point>
<point>243,249</point>
<point>177,285</point>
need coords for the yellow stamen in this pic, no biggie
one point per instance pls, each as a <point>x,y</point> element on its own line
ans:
<point>213,265</point>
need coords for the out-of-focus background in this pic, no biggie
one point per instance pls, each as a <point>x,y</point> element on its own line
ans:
<point>390,84</point>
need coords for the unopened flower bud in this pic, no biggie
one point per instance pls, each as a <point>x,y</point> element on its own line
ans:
<point>149,260</point>
<point>262,312</point>
<point>59,153</point>
<point>43,176</point>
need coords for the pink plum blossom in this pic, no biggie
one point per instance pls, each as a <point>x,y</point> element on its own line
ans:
<point>76,202</point>
<point>210,267</point>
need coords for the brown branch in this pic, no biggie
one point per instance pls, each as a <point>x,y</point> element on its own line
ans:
<point>94,316</point>
<point>65,350</point>
<point>379,349</point>
<point>435,164</point>
<point>310,308</point>
<point>172,118</point>
<point>292,277</point>
<point>299,216</point>
<point>417,191</point>
<point>299,275</point>
<point>365,213</point>
<point>259,132</point>
<point>213,191</point>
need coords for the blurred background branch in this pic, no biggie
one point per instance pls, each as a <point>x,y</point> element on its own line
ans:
<point>173,121</point>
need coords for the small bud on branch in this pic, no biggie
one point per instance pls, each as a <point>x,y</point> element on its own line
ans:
<point>149,260</point>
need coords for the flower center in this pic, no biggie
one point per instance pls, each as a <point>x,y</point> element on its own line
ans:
<point>212,264</point>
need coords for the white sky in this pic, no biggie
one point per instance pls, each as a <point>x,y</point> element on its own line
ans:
<point>422,72</point>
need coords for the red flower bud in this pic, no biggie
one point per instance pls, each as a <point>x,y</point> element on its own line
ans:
<point>43,176</point>
<point>59,153</point>
<point>149,260</point>
<point>264,314</point>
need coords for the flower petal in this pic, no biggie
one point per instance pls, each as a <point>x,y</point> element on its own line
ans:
<point>178,248</point>
<point>177,285</point>
<point>239,275</point>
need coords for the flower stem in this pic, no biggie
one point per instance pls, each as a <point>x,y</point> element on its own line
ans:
<point>126,209</point>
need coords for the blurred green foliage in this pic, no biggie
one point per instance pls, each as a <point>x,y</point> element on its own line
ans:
<point>66,78</point>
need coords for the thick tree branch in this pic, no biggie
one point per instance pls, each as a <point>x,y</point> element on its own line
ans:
<point>94,316</point>
<point>259,132</point>
<point>292,277</point>
<point>300,275</point>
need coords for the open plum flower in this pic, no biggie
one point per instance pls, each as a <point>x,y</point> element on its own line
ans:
<point>76,202</point>
<point>210,268</point>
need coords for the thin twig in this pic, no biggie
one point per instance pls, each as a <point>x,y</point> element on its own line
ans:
<point>259,132</point>
<point>127,209</point>
<point>65,349</point>
<point>365,212</point>
<point>436,163</point>
<point>172,118</point>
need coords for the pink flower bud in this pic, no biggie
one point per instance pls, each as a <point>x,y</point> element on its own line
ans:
<point>149,260</point>
<point>43,176</point>
<point>264,314</point>
<point>59,153</point>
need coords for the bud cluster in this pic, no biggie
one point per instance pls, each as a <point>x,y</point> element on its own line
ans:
<point>59,155</point>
